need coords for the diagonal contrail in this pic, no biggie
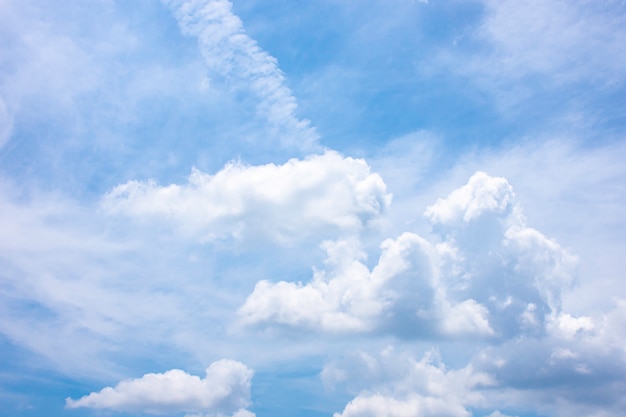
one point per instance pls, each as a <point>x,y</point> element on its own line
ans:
<point>230,53</point>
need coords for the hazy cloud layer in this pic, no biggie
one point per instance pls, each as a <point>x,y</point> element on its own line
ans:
<point>396,384</point>
<point>568,41</point>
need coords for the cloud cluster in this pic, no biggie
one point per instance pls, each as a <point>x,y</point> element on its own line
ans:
<point>576,367</point>
<point>224,390</point>
<point>486,275</point>
<point>322,192</point>
<point>395,384</point>
<point>230,53</point>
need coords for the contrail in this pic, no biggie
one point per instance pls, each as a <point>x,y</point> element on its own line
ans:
<point>230,53</point>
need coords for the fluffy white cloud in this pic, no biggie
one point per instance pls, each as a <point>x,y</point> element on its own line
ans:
<point>396,385</point>
<point>224,389</point>
<point>277,201</point>
<point>398,295</point>
<point>498,414</point>
<point>230,53</point>
<point>496,259</point>
<point>489,275</point>
<point>480,195</point>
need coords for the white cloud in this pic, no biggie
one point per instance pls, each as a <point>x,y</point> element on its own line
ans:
<point>377,405</point>
<point>481,194</point>
<point>575,193</point>
<point>498,414</point>
<point>398,295</point>
<point>395,384</point>
<point>570,191</point>
<point>230,53</point>
<point>569,326</point>
<point>490,275</point>
<point>298,198</point>
<point>224,389</point>
<point>497,260</point>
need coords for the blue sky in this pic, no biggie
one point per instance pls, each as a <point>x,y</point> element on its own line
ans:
<point>393,208</point>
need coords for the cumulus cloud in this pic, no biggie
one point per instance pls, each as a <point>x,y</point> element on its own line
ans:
<point>398,385</point>
<point>277,201</point>
<point>398,295</point>
<point>482,194</point>
<point>230,53</point>
<point>498,414</point>
<point>225,389</point>
<point>487,275</point>
<point>496,259</point>
<point>413,406</point>
<point>577,367</point>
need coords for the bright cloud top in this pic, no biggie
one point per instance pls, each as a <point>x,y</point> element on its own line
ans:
<point>276,201</point>
<point>399,295</point>
<point>224,389</point>
<point>489,275</point>
<point>230,53</point>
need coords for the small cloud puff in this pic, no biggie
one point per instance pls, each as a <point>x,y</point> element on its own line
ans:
<point>224,390</point>
<point>482,194</point>
<point>277,201</point>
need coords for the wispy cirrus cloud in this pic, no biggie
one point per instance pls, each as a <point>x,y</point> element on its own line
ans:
<point>568,41</point>
<point>231,54</point>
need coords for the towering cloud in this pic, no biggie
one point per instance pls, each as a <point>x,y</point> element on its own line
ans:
<point>488,275</point>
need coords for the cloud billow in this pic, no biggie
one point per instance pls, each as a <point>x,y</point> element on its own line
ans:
<point>225,389</point>
<point>396,384</point>
<point>488,276</point>
<point>281,202</point>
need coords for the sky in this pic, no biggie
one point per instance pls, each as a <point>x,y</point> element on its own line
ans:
<point>342,208</point>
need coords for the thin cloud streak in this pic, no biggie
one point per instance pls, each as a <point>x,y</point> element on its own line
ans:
<point>230,53</point>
